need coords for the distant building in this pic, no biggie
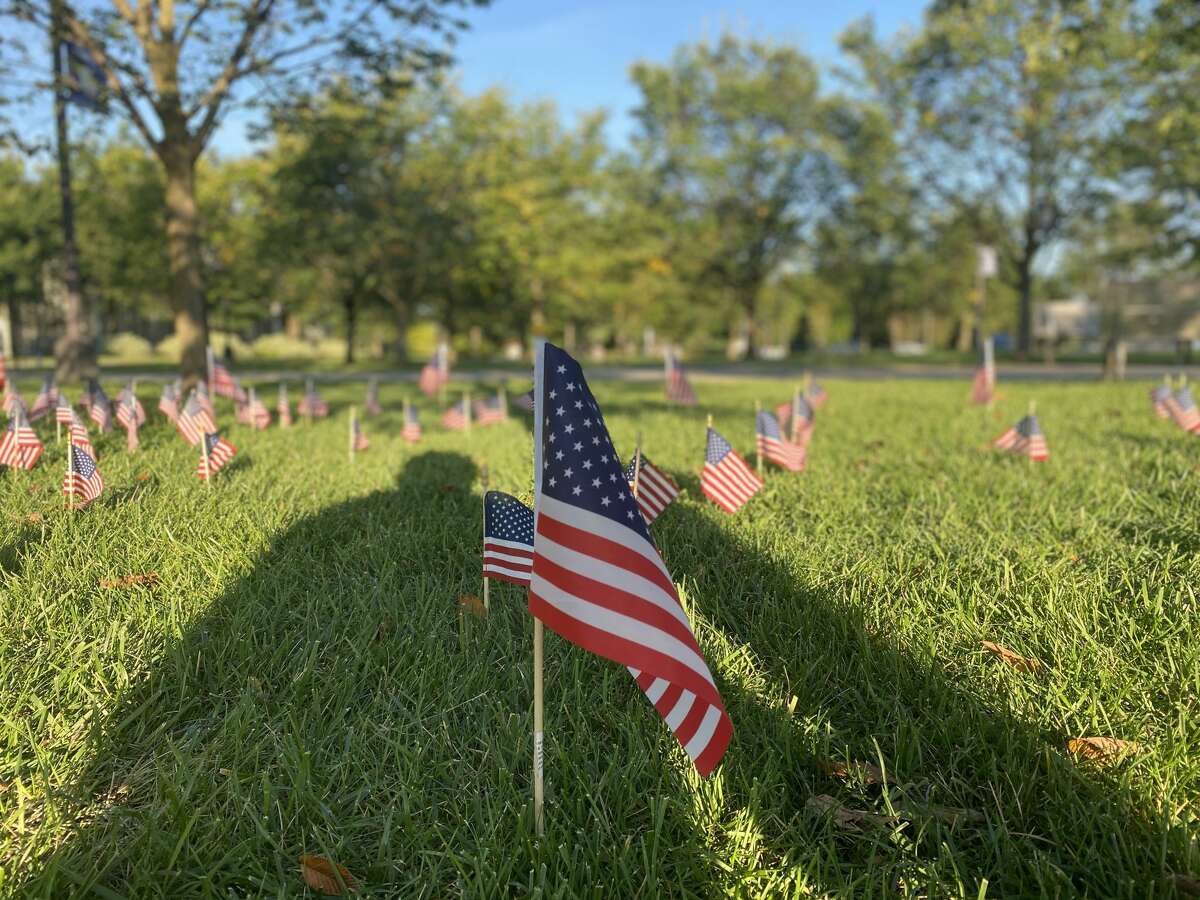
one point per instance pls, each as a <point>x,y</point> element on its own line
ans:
<point>1058,321</point>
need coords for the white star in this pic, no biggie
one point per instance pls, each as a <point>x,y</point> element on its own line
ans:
<point>587,463</point>
<point>559,411</point>
<point>569,428</point>
<point>552,437</point>
<point>562,369</point>
<point>558,455</point>
<point>553,482</point>
<point>604,501</point>
<point>577,490</point>
<point>553,394</point>
<point>595,482</point>
<point>568,473</point>
<point>570,385</point>
<point>579,404</point>
<point>578,446</point>
<point>629,515</point>
<point>587,423</point>
<point>612,476</point>
<point>595,441</point>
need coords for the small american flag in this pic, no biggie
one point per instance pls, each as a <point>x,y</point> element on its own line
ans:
<point>490,410</point>
<point>774,447</point>
<point>283,409</point>
<point>800,415</point>
<point>100,407</point>
<point>726,479</point>
<point>46,398</point>
<point>130,416</point>
<point>525,401</point>
<point>311,403</point>
<point>372,407</point>
<point>194,420</point>
<point>507,538</point>
<point>458,416</point>
<point>1025,439</point>
<point>254,413</point>
<point>597,579</point>
<point>220,451</point>
<point>202,397</point>
<point>1158,399</point>
<point>412,424</point>
<point>679,389</point>
<point>436,372</point>
<point>19,445</point>
<point>64,414</point>
<point>983,387</point>
<point>360,441</point>
<point>83,478</point>
<point>655,488</point>
<point>79,435</point>
<point>817,396</point>
<point>225,385</point>
<point>168,403</point>
<point>1183,409</point>
<point>12,399</point>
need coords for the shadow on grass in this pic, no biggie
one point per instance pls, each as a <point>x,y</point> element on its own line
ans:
<point>332,702</point>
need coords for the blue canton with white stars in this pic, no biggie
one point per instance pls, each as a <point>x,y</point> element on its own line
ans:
<point>507,519</point>
<point>579,464</point>
<point>83,464</point>
<point>213,439</point>
<point>768,425</point>
<point>717,448</point>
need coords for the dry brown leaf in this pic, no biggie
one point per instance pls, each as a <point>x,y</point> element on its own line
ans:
<point>849,819</point>
<point>127,581</point>
<point>861,466</point>
<point>1102,749</point>
<point>869,773</point>
<point>33,518</point>
<point>1016,660</point>
<point>1188,885</point>
<point>472,604</point>
<point>384,628</point>
<point>322,875</point>
<point>34,488</point>
<point>142,476</point>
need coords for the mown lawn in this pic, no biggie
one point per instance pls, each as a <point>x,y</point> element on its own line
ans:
<point>298,679</point>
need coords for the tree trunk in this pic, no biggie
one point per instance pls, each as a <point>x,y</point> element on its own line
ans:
<point>1025,293</point>
<point>75,350</point>
<point>350,307</point>
<point>183,249</point>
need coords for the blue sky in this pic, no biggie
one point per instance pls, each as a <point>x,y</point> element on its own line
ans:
<point>578,52</point>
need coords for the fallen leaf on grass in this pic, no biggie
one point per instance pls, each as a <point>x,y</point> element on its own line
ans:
<point>34,488</point>
<point>472,604</point>
<point>142,476</point>
<point>1188,885</point>
<point>126,581</point>
<point>869,773</point>
<point>322,875</point>
<point>33,518</point>
<point>1016,660</point>
<point>1102,749</point>
<point>384,628</point>
<point>849,819</point>
<point>861,466</point>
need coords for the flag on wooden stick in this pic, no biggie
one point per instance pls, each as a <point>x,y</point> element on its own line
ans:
<point>98,405</point>
<point>597,578</point>
<point>311,403</point>
<point>372,407</point>
<point>194,420</point>
<point>490,410</point>
<point>219,452</point>
<point>507,538</point>
<point>412,424</point>
<point>45,399</point>
<point>727,480</point>
<point>83,477</point>
<point>458,416</point>
<point>983,387</point>
<point>283,408</point>
<point>1025,439</point>
<point>774,447</point>
<point>655,489</point>
<point>130,415</point>
<point>1159,397</point>
<point>12,400</point>
<point>19,445</point>
<point>435,374</point>
<point>1182,409</point>
<point>679,389</point>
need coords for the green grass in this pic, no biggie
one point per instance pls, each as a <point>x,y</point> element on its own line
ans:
<point>298,681</point>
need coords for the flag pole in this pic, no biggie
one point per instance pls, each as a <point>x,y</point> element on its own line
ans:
<point>70,472</point>
<point>709,422</point>
<point>308,416</point>
<point>483,476</point>
<point>637,465</point>
<point>350,445</point>
<point>467,410</point>
<point>795,414</point>
<point>504,402</point>
<point>208,366</point>
<point>757,442</point>
<point>539,785</point>
<point>204,456</point>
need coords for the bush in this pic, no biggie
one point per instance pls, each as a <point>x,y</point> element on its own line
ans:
<point>128,346</point>
<point>218,340</point>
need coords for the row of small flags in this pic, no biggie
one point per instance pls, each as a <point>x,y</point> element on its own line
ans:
<point>1176,404</point>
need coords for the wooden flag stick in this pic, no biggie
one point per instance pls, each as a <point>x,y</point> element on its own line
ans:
<point>308,416</point>
<point>757,442</point>
<point>503,401</point>
<point>796,414</point>
<point>637,465</point>
<point>539,785</point>
<point>709,423</point>
<point>350,449</point>
<point>483,477</point>
<point>57,428</point>
<point>204,456</point>
<point>70,472</point>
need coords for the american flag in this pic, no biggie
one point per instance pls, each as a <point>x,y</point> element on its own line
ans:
<point>194,420</point>
<point>130,415</point>
<point>1025,439</point>
<point>490,410</point>
<point>679,389</point>
<point>283,409</point>
<point>817,396</point>
<point>458,416</point>
<point>774,447</point>
<point>507,538</point>
<point>46,398</point>
<point>220,451</point>
<point>360,442</point>
<point>257,416</point>
<point>202,397</point>
<point>224,384</point>
<point>64,414</point>
<point>726,479</point>
<point>597,578</point>
<point>800,415</point>
<point>168,403</point>
<point>100,407</point>
<point>436,372</point>
<point>525,401</point>
<point>412,424</point>
<point>981,387</point>
<point>655,488</point>
<point>11,399</point>
<point>311,403</point>
<point>79,435</point>
<point>83,478</point>
<point>1158,398</point>
<point>19,445</point>
<point>372,407</point>
<point>1183,409</point>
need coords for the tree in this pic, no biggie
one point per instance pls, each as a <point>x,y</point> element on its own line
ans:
<point>174,69</point>
<point>1009,102</point>
<point>732,134</point>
